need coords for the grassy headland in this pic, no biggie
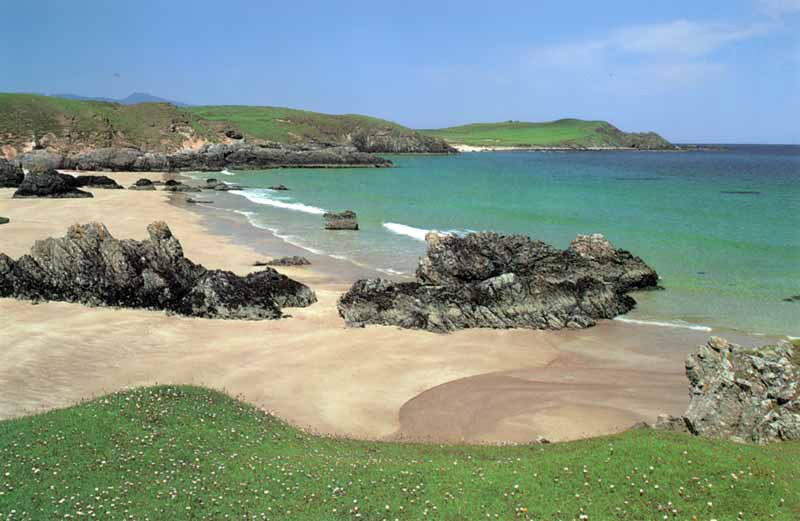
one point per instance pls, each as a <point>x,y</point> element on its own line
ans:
<point>567,133</point>
<point>70,125</point>
<point>190,453</point>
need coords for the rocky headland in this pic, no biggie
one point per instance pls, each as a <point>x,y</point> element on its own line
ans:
<point>503,281</point>
<point>92,267</point>
<point>742,394</point>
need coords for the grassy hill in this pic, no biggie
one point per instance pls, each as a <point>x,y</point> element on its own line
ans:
<point>65,123</point>
<point>189,453</point>
<point>571,133</point>
<point>68,125</point>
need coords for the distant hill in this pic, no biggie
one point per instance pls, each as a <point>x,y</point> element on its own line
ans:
<point>71,125</point>
<point>132,99</point>
<point>564,133</point>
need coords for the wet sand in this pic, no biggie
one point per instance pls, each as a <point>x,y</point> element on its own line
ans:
<point>377,382</point>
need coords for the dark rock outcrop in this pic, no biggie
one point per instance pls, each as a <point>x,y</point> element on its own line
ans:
<point>294,260</point>
<point>181,188</point>
<point>211,157</point>
<point>11,174</point>
<point>499,281</point>
<point>244,156</point>
<point>97,181</point>
<point>346,220</point>
<point>279,188</point>
<point>92,267</point>
<point>50,184</point>
<point>742,394</point>
<point>4,220</point>
<point>198,201</point>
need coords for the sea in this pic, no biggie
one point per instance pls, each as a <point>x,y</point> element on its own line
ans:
<point>721,227</point>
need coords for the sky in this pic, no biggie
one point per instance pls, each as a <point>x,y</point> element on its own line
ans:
<point>715,71</point>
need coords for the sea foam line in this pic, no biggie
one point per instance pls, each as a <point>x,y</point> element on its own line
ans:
<point>694,327</point>
<point>225,171</point>
<point>285,238</point>
<point>409,231</point>
<point>260,197</point>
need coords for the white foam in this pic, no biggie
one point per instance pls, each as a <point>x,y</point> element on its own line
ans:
<point>683,325</point>
<point>285,238</point>
<point>409,231</point>
<point>261,197</point>
<point>226,172</point>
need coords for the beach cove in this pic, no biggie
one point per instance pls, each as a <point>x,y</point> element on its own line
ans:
<point>480,386</point>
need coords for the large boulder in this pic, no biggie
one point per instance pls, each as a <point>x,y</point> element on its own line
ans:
<point>37,161</point>
<point>500,281</point>
<point>142,184</point>
<point>742,394</point>
<point>4,220</point>
<point>346,220</point>
<point>90,266</point>
<point>11,174</point>
<point>50,184</point>
<point>97,181</point>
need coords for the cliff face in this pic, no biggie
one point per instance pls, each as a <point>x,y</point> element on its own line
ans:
<point>392,141</point>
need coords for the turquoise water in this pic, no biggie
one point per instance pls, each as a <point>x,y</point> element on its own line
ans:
<point>726,259</point>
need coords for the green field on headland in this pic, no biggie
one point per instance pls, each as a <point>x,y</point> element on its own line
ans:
<point>190,453</point>
<point>571,133</point>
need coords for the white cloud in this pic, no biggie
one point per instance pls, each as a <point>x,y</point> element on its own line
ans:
<point>677,39</point>
<point>683,37</point>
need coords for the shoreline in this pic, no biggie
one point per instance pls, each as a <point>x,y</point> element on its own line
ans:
<point>473,386</point>
<point>462,148</point>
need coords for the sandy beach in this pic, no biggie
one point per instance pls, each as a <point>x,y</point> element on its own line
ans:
<point>377,382</point>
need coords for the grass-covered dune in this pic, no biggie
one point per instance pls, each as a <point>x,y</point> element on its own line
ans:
<point>70,125</point>
<point>190,453</point>
<point>568,133</point>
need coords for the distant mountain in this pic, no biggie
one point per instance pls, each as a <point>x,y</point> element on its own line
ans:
<point>133,99</point>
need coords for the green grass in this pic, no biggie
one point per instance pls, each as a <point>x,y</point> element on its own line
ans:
<point>289,125</point>
<point>564,132</point>
<point>190,453</point>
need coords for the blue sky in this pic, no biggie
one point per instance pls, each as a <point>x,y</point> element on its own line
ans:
<point>710,71</point>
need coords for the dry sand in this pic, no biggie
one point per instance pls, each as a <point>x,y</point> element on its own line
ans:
<point>378,382</point>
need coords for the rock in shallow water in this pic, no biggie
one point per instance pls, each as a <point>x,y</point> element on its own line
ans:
<point>92,267</point>
<point>501,281</point>
<point>742,394</point>
<point>346,220</point>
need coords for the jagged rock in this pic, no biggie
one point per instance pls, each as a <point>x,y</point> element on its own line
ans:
<point>143,184</point>
<point>211,181</point>
<point>198,201</point>
<point>11,174</point>
<point>118,160</point>
<point>4,220</point>
<point>280,188</point>
<point>294,260</point>
<point>222,187</point>
<point>37,161</point>
<point>92,267</point>
<point>97,181</point>
<point>49,184</point>
<point>172,182</point>
<point>742,394</point>
<point>346,220</point>
<point>499,281</point>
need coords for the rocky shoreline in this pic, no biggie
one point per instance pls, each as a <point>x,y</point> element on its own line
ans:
<point>212,157</point>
